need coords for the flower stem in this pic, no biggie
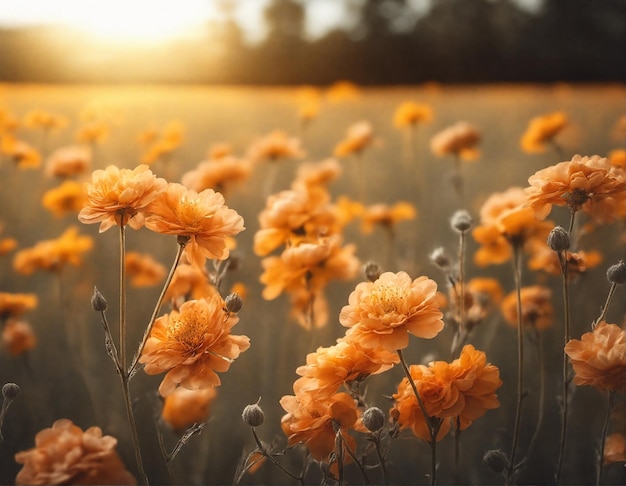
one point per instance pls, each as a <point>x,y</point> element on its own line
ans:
<point>606,306</point>
<point>122,323</point>
<point>133,427</point>
<point>267,454</point>
<point>354,458</point>
<point>170,467</point>
<point>542,388</point>
<point>605,428</point>
<point>566,338</point>
<point>379,454</point>
<point>520,356</point>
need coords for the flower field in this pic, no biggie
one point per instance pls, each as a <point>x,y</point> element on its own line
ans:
<point>338,285</point>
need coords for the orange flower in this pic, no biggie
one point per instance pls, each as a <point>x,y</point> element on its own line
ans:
<point>189,282</point>
<point>65,454</point>
<point>382,313</point>
<point>537,310</point>
<point>275,146</point>
<point>410,114</point>
<point>16,305</point>
<point>191,344</point>
<point>120,196</point>
<point>24,155</point>
<point>542,130</point>
<point>341,91</point>
<point>459,140</point>
<point>220,150</point>
<point>617,158</point>
<point>217,174</point>
<point>69,161</point>
<point>481,295</point>
<point>312,420</point>
<point>587,183</point>
<point>6,244</point>
<point>308,111</point>
<point>69,197</point>
<point>53,255</point>
<point>358,137</point>
<point>44,120</point>
<point>143,270</point>
<point>203,217</point>
<point>599,357</point>
<point>615,449</point>
<point>183,408</point>
<point>93,132</point>
<point>547,260</point>
<point>386,216</point>
<point>327,369</point>
<point>18,336</point>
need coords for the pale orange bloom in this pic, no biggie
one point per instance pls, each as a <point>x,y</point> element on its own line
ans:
<point>481,296</point>
<point>312,420</point>
<point>69,197</point>
<point>275,146</point>
<point>16,305</point>
<point>203,217</point>
<point>410,114</point>
<point>8,122</point>
<point>599,357</point>
<point>617,158</point>
<point>358,137</point>
<point>615,448</point>
<point>460,140</point>
<point>183,408</point>
<point>384,312</point>
<point>161,144</point>
<point>53,255</point>
<point>44,120</point>
<point>537,310</point>
<point>219,151</point>
<point>547,260</point>
<point>590,184</point>
<point>386,216</point>
<point>24,155</point>
<point>143,270</point>
<point>191,344</point>
<point>315,174</point>
<point>542,130</point>
<point>347,209</point>
<point>93,132</point>
<point>120,196</point>
<point>189,282</point>
<point>18,336</point>
<point>65,454</point>
<point>69,161</point>
<point>327,369</point>
<point>217,174</point>
<point>341,91</point>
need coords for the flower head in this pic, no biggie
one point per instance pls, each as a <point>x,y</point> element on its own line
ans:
<point>217,174</point>
<point>410,114</point>
<point>358,137</point>
<point>537,310</point>
<point>18,336</point>
<point>69,197</point>
<point>542,130</point>
<point>183,408</point>
<point>143,270</point>
<point>69,161</point>
<point>460,140</point>
<point>386,216</point>
<point>275,146</point>
<point>16,305</point>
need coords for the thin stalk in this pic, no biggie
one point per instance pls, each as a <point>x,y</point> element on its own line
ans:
<point>379,454</point>
<point>133,427</point>
<point>606,305</point>
<point>354,458</point>
<point>339,449</point>
<point>605,428</point>
<point>542,388</point>
<point>520,355</point>
<point>182,242</point>
<point>170,467</point>
<point>267,454</point>
<point>566,338</point>
<point>122,323</point>
<point>457,449</point>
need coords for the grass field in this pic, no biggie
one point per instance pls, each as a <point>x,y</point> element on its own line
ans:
<point>69,375</point>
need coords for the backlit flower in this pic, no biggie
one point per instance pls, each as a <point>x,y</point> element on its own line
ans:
<point>617,158</point>
<point>161,144</point>
<point>143,270</point>
<point>189,282</point>
<point>183,408</point>
<point>203,217</point>
<point>92,132</point>
<point>342,91</point>
<point>24,155</point>
<point>358,137</point>
<point>120,196</point>
<point>410,114</point>
<point>537,310</point>
<point>589,184</point>
<point>460,140</point>
<point>65,454</point>
<point>191,344</point>
<point>18,336</point>
<point>384,312</point>
<point>386,216</point>
<point>599,357</point>
<point>547,260</point>
<point>44,120</point>
<point>275,146</point>
<point>69,197</point>
<point>615,448</point>
<point>217,174</point>
<point>69,161</point>
<point>542,130</point>
<point>16,305</point>
<point>481,297</point>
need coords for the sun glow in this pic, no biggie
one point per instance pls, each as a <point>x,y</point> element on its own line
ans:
<point>120,20</point>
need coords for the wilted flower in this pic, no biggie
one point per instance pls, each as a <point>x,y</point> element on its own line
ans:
<point>542,130</point>
<point>460,140</point>
<point>69,197</point>
<point>203,217</point>
<point>599,357</point>
<point>69,161</point>
<point>120,196</point>
<point>183,407</point>
<point>537,310</point>
<point>191,344</point>
<point>143,270</point>
<point>65,454</point>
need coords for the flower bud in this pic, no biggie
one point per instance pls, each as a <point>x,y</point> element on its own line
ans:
<point>496,460</point>
<point>440,259</point>
<point>253,415</point>
<point>558,239</point>
<point>617,273</point>
<point>372,271</point>
<point>373,419</point>
<point>461,221</point>
<point>233,302</point>
<point>98,302</point>
<point>10,391</point>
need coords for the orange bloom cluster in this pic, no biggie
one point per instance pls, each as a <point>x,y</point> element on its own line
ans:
<point>460,140</point>
<point>65,454</point>
<point>217,174</point>
<point>383,313</point>
<point>143,270</point>
<point>358,137</point>
<point>191,344</point>
<point>160,144</point>
<point>274,147</point>
<point>386,216</point>
<point>53,255</point>
<point>410,114</point>
<point>69,161</point>
<point>464,389</point>
<point>69,197</point>
<point>183,407</point>
<point>307,228</point>
<point>505,222</point>
<point>590,184</point>
<point>537,310</point>
<point>599,357</point>
<point>120,196</point>
<point>542,130</point>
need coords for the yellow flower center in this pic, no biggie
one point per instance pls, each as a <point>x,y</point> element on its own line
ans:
<point>189,331</point>
<point>388,297</point>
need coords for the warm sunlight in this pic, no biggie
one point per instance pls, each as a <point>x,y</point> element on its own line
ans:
<point>139,20</point>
